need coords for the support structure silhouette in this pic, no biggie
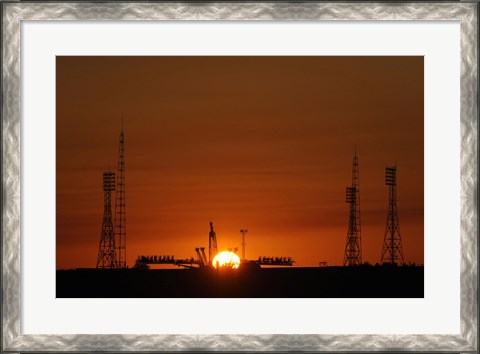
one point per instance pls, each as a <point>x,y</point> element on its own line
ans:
<point>392,244</point>
<point>106,250</point>
<point>353,247</point>
<point>120,213</point>
<point>212,244</point>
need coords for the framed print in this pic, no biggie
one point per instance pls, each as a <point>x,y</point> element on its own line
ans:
<point>239,177</point>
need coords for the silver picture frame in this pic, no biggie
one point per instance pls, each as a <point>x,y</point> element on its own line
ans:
<point>13,12</point>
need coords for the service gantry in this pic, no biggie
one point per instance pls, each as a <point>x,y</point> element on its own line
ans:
<point>212,244</point>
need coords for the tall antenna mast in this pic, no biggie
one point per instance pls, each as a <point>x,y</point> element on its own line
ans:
<point>353,247</point>
<point>106,250</point>
<point>120,215</point>
<point>392,242</point>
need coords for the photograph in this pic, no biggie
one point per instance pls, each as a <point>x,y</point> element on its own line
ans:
<point>239,176</point>
<point>308,168</point>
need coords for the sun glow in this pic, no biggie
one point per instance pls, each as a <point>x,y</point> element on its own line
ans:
<point>226,259</point>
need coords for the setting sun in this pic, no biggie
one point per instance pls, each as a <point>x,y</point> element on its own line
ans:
<point>226,259</point>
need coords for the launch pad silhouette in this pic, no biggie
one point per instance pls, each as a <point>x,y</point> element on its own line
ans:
<point>112,249</point>
<point>217,273</point>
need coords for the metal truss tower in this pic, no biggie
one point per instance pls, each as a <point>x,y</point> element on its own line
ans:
<point>353,247</point>
<point>120,216</point>
<point>392,243</point>
<point>212,244</point>
<point>106,250</point>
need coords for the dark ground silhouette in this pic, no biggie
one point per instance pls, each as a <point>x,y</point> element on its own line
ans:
<point>328,282</point>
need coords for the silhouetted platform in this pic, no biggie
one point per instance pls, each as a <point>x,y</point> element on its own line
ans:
<point>328,282</point>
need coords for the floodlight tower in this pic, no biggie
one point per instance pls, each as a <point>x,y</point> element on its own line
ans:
<point>120,216</point>
<point>212,244</point>
<point>243,232</point>
<point>392,243</point>
<point>353,247</point>
<point>106,250</point>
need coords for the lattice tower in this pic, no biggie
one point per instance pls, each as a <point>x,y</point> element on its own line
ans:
<point>392,244</point>
<point>353,247</point>
<point>106,250</point>
<point>120,215</point>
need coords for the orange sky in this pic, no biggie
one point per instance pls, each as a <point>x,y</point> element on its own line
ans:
<point>263,143</point>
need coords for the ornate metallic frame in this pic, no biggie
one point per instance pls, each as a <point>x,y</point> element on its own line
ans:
<point>14,12</point>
